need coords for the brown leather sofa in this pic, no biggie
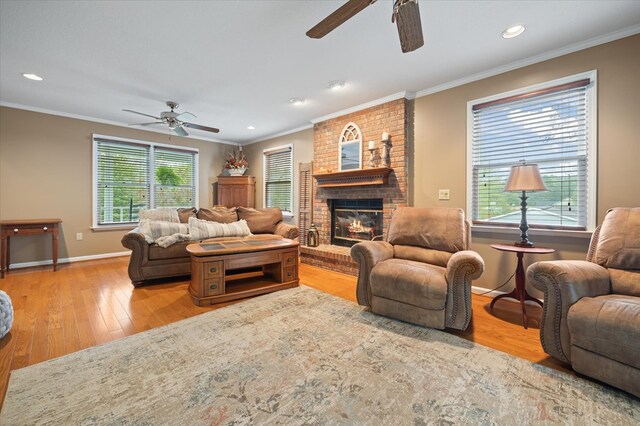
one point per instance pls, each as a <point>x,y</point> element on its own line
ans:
<point>591,316</point>
<point>150,261</point>
<point>422,273</point>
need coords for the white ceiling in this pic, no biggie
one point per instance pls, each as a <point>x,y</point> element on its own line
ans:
<point>237,63</point>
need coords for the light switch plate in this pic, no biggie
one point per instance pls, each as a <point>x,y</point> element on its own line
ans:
<point>443,194</point>
<point>78,236</point>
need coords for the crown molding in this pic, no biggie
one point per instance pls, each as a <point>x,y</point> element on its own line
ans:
<point>102,121</point>
<point>279,134</point>
<point>375,102</point>
<point>592,42</point>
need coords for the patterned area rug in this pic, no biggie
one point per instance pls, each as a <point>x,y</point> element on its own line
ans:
<point>301,356</point>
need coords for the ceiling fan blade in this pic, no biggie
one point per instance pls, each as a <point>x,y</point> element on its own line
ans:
<point>199,127</point>
<point>146,124</point>
<point>337,18</point>
<point>180,131</point>
<point>406,14</point>
<point>141,113</point>
<point>185,116</point>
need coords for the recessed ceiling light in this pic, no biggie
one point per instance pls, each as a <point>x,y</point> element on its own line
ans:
<point>336,84</point>
<point>251,127</point>
<point>32,76</point>
<point>514,31</point>
<point>296,101</point>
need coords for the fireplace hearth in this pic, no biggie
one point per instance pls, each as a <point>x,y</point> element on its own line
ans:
<point>357,220</point>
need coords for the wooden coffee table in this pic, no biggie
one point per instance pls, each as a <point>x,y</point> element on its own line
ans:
<point>233,269</point>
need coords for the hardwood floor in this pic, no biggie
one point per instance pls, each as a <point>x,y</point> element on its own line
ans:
<point>86,304</point>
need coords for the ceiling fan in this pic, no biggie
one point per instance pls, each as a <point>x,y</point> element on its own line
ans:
<point>406,15</point>
<point>175,120</point>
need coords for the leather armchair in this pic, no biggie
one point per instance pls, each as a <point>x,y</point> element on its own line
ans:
<point>422,272</point>
<point>591,315</point>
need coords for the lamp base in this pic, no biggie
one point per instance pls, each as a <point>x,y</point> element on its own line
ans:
<point>526,243</point>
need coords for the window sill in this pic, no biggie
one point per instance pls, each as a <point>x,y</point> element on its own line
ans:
<point>102,228</point>
<point>484,229</point>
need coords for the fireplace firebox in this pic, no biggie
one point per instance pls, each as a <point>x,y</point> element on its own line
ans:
<point>353,221</point>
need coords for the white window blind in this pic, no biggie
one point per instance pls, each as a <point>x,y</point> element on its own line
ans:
<point>122,181</point>
<point>278,169</point>
<point>549,127</point>
<point>175,178</point>
<point>130,176</point>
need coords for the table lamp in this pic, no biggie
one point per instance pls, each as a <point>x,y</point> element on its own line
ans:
<point>524,178</point>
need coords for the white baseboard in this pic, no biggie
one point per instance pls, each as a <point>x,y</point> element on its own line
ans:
<point>494,293</point>
<point>69,259</point>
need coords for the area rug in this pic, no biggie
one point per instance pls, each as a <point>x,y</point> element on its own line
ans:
<point>301,356</point>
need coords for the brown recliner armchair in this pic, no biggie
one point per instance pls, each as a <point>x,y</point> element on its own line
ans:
<point>422,273</point>
<point>591,316</point>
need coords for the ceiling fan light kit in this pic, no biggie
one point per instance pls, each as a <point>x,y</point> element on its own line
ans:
<point>406,15</point>
<point>175,120</point>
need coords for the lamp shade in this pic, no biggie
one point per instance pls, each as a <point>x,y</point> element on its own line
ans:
<point>525,177</point>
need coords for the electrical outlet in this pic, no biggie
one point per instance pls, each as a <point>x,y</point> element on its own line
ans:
<point>78,236</point>
<point>443,194</point>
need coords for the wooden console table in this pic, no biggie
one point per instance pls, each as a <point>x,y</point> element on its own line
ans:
<point>10,228</point>
<point>233,269</point>
<point>520,292</point>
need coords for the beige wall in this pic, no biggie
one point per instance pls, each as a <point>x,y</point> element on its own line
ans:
<point>46,171</point>
<point>302,153</point>
<point>441,147</point>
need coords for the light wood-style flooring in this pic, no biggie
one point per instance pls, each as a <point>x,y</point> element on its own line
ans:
<point>89,303</point>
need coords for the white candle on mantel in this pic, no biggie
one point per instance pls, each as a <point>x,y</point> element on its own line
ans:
<point>385,136</point>
<point>372,145</point>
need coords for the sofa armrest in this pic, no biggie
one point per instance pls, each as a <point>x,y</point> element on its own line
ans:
<point>135,241</point>
<point>367,254</point>
<point>463,267</point>
<point>564,282</point>
<point>287,231</point>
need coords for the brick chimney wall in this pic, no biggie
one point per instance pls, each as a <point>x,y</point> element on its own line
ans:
<point>392,117</point>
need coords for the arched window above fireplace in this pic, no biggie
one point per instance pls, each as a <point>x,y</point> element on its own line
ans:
<point>350,148</point>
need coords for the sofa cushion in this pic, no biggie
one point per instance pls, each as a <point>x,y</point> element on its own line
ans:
<point>419,254</point>
<point>218,214</point>
<point>161,214</point>
<point>413,283</point>
<point>201,229</point>
<point>261,221</point>
<point>437,228</point>
<point>154,229</point>
<point>619,240</point>
<point>186,213</point>
<point>607,325</point>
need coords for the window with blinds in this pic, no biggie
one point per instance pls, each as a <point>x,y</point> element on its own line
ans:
<point>550,127</point>
<point>278,171</point>
<point>132,175</point>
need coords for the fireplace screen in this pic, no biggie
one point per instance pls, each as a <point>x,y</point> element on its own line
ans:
<point>355,220</point>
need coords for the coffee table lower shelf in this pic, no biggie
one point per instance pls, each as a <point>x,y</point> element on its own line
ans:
<point>241,288</point>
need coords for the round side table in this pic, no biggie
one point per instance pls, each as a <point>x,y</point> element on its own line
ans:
<point>520,292</point>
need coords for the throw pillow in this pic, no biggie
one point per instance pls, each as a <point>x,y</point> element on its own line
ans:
<point>186,213</point>
<point>261,221</point>
<point>219,214</point>
<point>154,229</point>
<point>163,214</point>
<point>202,229</point>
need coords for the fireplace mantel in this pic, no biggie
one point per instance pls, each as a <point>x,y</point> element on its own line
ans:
<point>360,177</point>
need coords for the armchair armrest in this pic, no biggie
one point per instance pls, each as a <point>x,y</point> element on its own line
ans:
<point>367,254</point>
<point>564,282</point>
<point>287,231</point>
<point>463,267</point>
<point>135,241</point>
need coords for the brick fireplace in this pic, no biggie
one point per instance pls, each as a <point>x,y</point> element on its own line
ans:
<point>394,117</point>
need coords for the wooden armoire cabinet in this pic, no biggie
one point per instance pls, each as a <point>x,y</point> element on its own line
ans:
<point>236,191</point>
